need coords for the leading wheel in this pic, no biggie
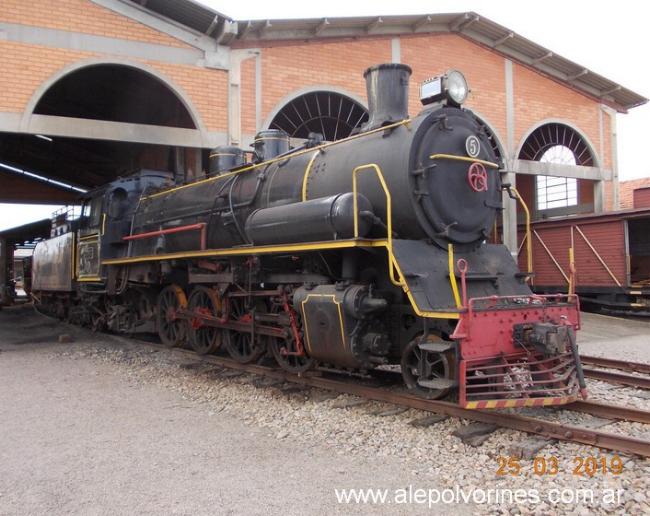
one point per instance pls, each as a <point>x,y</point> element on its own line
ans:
<point>171,329</point>
<point>419,367</point>
<point>284,350</point>
<point>241,345</point>
<point>204,301</point>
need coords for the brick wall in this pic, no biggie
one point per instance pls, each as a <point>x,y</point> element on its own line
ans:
<point>293,65</point>
<point>289,67</point>
<point>627,189</point>
<point>81,16</point>
<point>435,54</point>
<point>538,98</point>
<point>25,67</point>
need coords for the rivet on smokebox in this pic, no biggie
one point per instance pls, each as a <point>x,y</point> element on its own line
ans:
<point>65,338</point>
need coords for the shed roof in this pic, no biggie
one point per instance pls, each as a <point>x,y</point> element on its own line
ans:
<point>471,25</point>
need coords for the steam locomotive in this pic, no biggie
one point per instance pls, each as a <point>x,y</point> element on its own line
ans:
<point>349,255</point>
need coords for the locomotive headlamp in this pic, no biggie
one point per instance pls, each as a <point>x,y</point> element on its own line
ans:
<point>456,87</point>
<point>452,86</point>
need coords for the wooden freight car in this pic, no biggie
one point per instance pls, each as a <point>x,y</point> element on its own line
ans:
<point>611,259</point>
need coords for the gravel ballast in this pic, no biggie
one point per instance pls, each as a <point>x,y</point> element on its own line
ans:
<point>429,455</point>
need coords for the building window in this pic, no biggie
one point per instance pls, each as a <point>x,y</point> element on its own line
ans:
<point>557,192</point>
<point>328,113</point>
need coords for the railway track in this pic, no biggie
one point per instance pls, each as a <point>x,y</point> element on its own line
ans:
<point>630,380</point>
<point>532,425</point>
<point>527,424</point>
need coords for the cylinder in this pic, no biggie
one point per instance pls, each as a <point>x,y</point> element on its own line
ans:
<point>225,158</point>
<point>270,143</point>
<point>327,218</point>
<point>387,86</point>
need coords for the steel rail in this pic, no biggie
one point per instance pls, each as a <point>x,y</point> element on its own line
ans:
<point>548,429</point>
<point>609,411</point>
<point>640,382</point>
<point>610,363</point>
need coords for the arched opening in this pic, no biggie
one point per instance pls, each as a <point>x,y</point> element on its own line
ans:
<point>116,93</point>
<point>556,134</point>
<point>332,114</point>
<point>556,143</point>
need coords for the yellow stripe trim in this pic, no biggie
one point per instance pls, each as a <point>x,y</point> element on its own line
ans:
<point>452,276</point>
<point>305,178</point>
<point>304,315</point>
<point>89,237</point>
<point>464,158</point>
<point>491,404</point>
<point>471,404</point>
<point>288,248</point>
<point>283,158</point>
<point>90,279</point>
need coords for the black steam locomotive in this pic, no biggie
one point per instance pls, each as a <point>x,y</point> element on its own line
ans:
<point>351,255</point>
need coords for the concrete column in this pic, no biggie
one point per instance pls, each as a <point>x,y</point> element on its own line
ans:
<point>616,198</point>
<point>510,215</point>
<point>510,177</point>
<point>180,173</point>
<point>234,94</point>
<point>258,91</point>
<point>396,50</point>
<point>599,196</point>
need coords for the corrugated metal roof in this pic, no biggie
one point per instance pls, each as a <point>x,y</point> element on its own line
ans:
<point>470,25</point>
<point>190,13</point>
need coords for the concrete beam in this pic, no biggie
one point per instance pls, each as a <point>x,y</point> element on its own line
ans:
<point>159,23</point>
<point>522,166</point>
<point>503,39</point>
<point>113,131</point>
<point>321,26</point>
<point>77,41</point>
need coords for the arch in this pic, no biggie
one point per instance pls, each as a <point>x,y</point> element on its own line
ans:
<point>77,66</point>
<point>539,127</point>
<point>329,103</point>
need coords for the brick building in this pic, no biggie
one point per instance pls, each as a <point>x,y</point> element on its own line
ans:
<point>91,89</point>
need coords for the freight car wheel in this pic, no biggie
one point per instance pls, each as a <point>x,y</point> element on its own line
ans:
<point>421,367</point>
<point>171,329</point>
<point>241,345</point>
<point>204,301</point>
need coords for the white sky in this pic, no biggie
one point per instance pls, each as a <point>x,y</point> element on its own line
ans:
<point>607,37</point>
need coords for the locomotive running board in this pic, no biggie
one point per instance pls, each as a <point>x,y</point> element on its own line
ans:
<point>425,270</point>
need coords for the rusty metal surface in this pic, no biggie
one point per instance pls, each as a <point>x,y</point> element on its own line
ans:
<point>639,382</point>
<point>52,264</point>
<point>610,411</point>
<point>614,442</point>
<point>623,365</point>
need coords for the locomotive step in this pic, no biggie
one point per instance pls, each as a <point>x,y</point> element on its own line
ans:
<point>438,383</point>
<point>436,347</point>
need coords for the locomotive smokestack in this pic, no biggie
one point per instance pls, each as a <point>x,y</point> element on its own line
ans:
<point>388,94</point>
